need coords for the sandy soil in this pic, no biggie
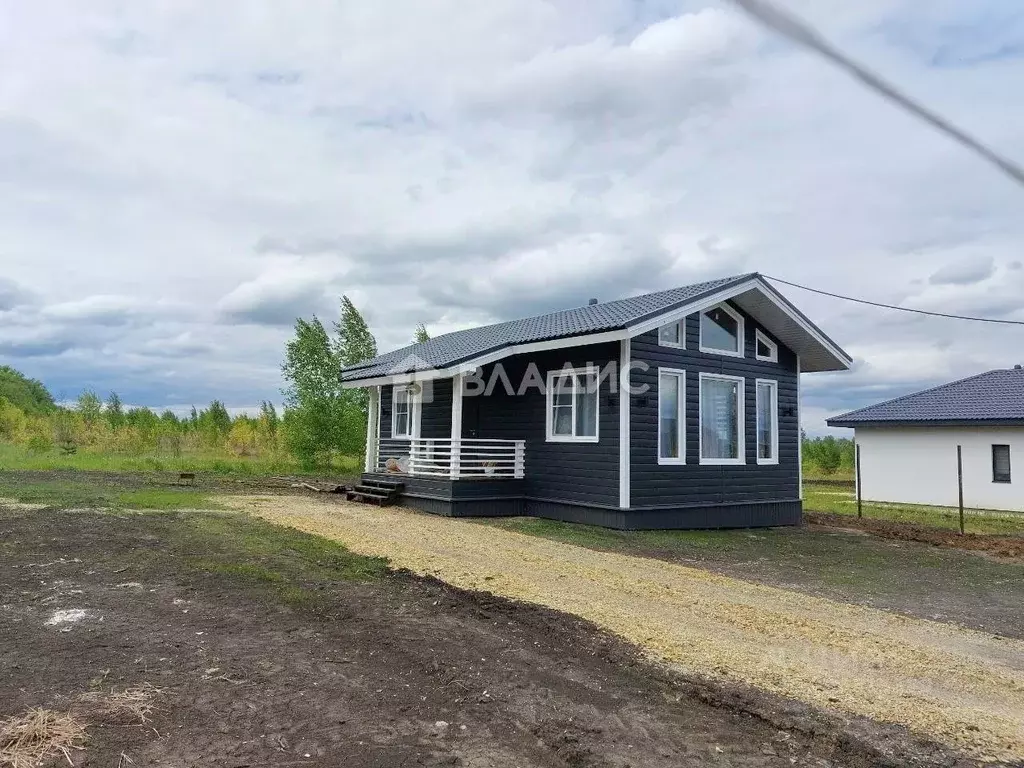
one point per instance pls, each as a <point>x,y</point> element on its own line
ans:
<point>958,686</point>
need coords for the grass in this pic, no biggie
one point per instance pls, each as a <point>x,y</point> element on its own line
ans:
<point>14,457</point>
<point>296,568</point>
<point>84,493</point>
<point>842,501</point>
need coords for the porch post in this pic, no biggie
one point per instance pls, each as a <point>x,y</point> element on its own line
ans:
<point>456,444</point>
<point>372,424</point>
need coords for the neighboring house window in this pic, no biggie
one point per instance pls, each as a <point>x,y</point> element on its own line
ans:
<point>1000,463</point>
<point>572,405</point>
<point>767,422</point>
<point>671,416</point>
<point>721,419</point>
<point>721,331</point>
<point>764,348</point>
<point>673,335</point>
<point>403,403</point>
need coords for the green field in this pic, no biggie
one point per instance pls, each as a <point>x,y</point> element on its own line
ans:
<point>841,499</point>
<point>13,457</point>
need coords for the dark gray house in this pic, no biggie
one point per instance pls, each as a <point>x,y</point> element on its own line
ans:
<point>676,409</point>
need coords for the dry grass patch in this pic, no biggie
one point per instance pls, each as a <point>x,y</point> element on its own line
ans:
<point>133,703</point>
<point>28,739</point>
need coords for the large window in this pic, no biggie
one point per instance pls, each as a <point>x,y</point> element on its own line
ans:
<point>673,335</point>
<point>721,331</point>
<point>671,416</point>
<point>767,422</point>
<point>572,406</point>
<point>721,419</point>
<point>1000,463</point>
<point>403,412</point>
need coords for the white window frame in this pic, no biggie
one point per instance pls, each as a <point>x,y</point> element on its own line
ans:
<point>773,356</point>
<point>774,386</point>
<point>740,420</point>
<point>553,376</point>
<point>414,411</point>
<point>680,376</point>
<point>740,331</point>
<point>680,329</point>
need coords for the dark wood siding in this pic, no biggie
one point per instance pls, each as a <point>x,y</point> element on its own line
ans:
<point>653,485</point>
<point>576,472</point>
<point>435,415</point>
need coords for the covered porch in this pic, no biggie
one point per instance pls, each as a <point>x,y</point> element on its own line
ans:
<point>429,429</point>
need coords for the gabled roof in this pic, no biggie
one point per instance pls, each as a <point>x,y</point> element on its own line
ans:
<point>995,397</point>
<point>595,323</point>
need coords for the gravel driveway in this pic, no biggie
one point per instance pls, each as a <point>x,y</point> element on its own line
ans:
<point>958,686</point>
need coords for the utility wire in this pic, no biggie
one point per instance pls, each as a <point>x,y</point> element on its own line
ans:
<point>788,25</point>
<point>893,306</point>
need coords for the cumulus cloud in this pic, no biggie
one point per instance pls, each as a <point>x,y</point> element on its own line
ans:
<point>277,296</point>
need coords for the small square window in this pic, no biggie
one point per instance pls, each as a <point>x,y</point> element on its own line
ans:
<point>673,335</point>
<point>1000,463</point>
<point>572,404</point>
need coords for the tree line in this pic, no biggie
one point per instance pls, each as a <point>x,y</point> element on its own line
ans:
<point>321,423</point>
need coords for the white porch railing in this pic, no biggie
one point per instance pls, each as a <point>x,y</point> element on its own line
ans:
<point>463,459</point>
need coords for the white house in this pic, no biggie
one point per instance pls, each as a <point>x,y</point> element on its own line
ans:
<point>908,446</point>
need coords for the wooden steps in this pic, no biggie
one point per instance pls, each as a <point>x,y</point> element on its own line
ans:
<point>382,493</point>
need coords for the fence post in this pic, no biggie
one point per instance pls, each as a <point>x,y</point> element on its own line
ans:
<point>960,483</point>
<point>856,449</point>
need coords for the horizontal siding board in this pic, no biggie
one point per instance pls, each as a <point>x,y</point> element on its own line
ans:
<point>654,484</point>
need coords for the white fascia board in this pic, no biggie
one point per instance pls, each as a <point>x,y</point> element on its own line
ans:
<point>783,304</point>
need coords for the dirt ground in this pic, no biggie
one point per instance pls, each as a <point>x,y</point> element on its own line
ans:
<point>256,667</point>
<point>1004,547</point>
<point>959,686</point>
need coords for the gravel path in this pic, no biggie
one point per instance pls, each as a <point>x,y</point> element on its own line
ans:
<point>958,686</point>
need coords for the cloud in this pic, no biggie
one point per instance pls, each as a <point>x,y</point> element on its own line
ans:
<point>277,297</point>
<point>13,295</point>
<point>964,272</point>
<point>226,171</point>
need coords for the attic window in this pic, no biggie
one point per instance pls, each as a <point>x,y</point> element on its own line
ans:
<point>765,349</point>
<point>721,331</point>
<point>673,335</point>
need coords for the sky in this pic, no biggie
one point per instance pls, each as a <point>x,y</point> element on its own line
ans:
<point>180,180</point>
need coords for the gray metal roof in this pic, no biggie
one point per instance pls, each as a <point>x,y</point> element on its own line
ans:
<point>992,397</point>
<point>463,346</point>
<point>459,346</point>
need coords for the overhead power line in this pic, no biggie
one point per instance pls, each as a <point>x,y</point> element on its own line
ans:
<point>894,306</point>
<point>788,25</point>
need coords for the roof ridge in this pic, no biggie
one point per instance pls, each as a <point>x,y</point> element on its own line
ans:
<point>936,388</point>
